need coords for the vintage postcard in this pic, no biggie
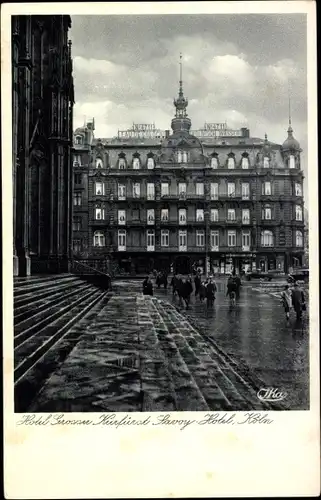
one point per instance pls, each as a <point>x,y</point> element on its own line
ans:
<point>160,229</point>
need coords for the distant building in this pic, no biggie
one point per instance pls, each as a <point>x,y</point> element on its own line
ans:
<point>306,238</point>
<point>42,101</point>
<point>216,198</point>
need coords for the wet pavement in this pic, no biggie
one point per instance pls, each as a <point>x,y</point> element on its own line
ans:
<point>255,332</point>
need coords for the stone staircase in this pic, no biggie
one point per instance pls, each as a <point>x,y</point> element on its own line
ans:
<point>45,309</point>
<point>140,354</point>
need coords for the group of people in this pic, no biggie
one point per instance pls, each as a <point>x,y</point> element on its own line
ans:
<point>293,298</point>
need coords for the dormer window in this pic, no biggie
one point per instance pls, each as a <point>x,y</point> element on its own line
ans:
<point>214,162</point>
<point>78,139</point>
<point>266,162</point>
<point>291,161</point>
<point>231,162</point>
<point>182,157</point>
<point>150,163</point>
<point>121,164</point>
<point>136,164</point>
<point>99,163</point>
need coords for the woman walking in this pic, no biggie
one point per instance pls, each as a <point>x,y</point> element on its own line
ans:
<point>286,297</point>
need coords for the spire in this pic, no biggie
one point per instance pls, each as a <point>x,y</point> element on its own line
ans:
<point>181,102</point>
<point>290,129</point>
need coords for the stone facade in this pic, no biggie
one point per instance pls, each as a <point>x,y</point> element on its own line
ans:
<point>169,202</point>
<point>42,104</point>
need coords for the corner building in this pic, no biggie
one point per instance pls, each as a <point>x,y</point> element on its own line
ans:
<point>214,197</point>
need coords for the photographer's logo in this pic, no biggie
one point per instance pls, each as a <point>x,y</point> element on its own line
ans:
<point>271,394</point>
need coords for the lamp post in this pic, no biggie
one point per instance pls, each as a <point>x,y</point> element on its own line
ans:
<point>206,213</point>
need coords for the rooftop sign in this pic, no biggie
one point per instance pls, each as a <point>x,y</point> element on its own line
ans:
<point>141,131</point>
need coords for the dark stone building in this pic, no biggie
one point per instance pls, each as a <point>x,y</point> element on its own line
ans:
<point>215,197</point>
<point>42,105</point>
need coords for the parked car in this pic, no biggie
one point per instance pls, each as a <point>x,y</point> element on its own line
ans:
<point>299,275</point>
<point>258,275</point>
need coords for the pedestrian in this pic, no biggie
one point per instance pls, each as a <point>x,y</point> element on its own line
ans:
<point>179,289</point>
<point>238,284</point>
<point>231,288</point>
<point>197,282</point>
<point>202,291</point>
<point>185,291</point>
<point>147,286</point>
<point>286,298</point>
<point>298,300</point>
<point>165,279</point>
<point>210,292</point>
<point>174,284</point>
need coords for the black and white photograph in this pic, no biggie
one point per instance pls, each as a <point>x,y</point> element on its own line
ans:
<point>160,229</point>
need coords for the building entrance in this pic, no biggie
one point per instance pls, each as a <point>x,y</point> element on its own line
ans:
<point>182,265</point>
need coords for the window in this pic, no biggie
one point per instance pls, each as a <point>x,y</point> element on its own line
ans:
<point>298,239</point>
<point>179,157</point>
<point>182,216</point>
<point>267,213</point>
<point>182,241</point>
<point>214,215</point>
<point>77,161</point>
<point>78,139</point>
<point>200,188</point>
<point>77,199</point>
<point>78,178</point>
<point>298,212</point>
<point>99,188</point>
<point>231,214</point>
<point>164,238</point>
<point>245,216</point>
<point>122,217</point>
<point>135,214</point>
<point>150,163</point>
<point>76,223</point>
<point>298,189</point>
<point>231,189</point>
<point>231,162</point>
<point>150,239</point>
<point>214,191</point>
<point>164,189</point>
<point>214,240</point>
<point>150,191</point>
<point>245,191</point>
<point>266,188</point>
<point>291,161</point>
<point>246,241</point>
<point>231,238</point>
<point>99,239</point>
<point>121,192</point>
<point>199,215</point>
<point>136,190</point>
<point>185,157</point>
<point>267,239</point>
<point>164,214</point>
<point>245,162</point>
<point>136,164</point>
<point>121,239</point>
<point>99,213</point>
<point>76,245</point>
<point>151,216</point>
<point>121,164</point>
<point>182,189</point>
<point>200,238</point>
<point>214,162</point>
<point>266,162</point>
<point>99,163</point>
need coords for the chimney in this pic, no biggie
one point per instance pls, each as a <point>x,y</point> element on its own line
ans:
<point>166,134</point>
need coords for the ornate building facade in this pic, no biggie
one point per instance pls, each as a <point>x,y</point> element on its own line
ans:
<point>214,197</point>
<point>42,105</point>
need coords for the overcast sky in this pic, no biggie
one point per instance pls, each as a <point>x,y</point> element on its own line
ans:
<point>235,69</point>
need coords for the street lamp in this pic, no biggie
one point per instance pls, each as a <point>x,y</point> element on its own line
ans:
<point>206,214</point>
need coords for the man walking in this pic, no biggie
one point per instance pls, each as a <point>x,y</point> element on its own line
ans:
<point>210,292</point>
<point>197,282</point>
<point>286,297</point>
<point>298,301</point>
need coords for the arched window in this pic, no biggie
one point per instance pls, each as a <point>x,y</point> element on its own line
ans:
<point>291,161</point>
<point>214,162</point>
<point>245,162</point>
<point>231,162</point>
<point>267,239</point>
<point>150,163</point>
<point>266,162</point>
<point>121,163</point>
<point>78,139</point>
<point>99,163</point>
<point>136,164</point>
<point>99,239</point>
<point>298,239</point>
<point>298,212</point>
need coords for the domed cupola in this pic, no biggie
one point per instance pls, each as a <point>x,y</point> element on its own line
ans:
<point>181,124</point>
<point>290,144</point>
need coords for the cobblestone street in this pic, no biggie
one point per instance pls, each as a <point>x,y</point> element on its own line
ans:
<point>144,354</point>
